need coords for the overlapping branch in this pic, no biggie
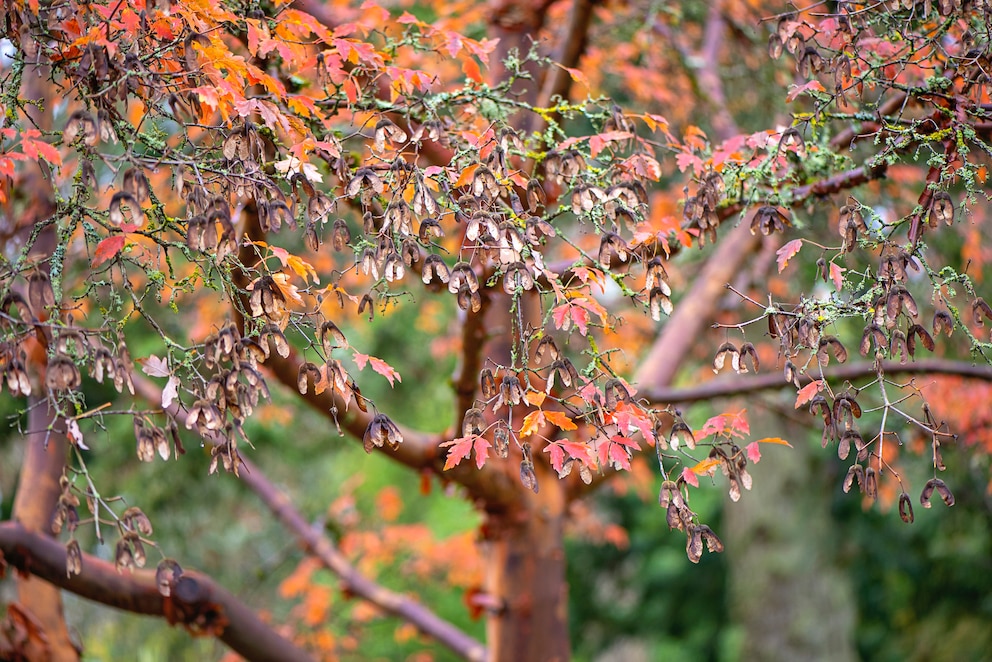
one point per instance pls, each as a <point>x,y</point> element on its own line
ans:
<point>196,601</point>
<point>322,548</point>
<point>736,385</point>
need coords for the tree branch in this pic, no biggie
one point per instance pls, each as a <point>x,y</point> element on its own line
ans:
<point>389,601</point>
<point>724,388</point>
<point>321,547</point>
<point>196,600</point>
<point>571,45</point>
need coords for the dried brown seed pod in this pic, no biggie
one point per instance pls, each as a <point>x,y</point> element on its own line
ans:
<point>905,508</point>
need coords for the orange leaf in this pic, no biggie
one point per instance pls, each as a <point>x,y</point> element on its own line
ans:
<point>807,392</point>
<point>472,71</point>
<point>560,419</point>
<point>466,175</point>
<point>535,398</point>
<point>706,466</point>
<point>532,423</point>
<point>577,75</point>
<point>107,249</point>
<point>787,252</point>
<point>302,268</point>
<point>774,440</point>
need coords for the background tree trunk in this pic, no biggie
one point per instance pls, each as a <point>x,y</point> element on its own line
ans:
<point>788,592</point>
<point>525,558</point>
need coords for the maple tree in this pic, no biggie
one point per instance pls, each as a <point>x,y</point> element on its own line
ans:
<point>251,183</point>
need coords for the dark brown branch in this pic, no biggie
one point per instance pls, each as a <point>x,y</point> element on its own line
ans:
<point>197,601</point>
<point>321,547</point>
<point>733,386</point>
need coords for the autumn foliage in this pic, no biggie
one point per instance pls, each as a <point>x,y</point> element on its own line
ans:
<point>250,185</point>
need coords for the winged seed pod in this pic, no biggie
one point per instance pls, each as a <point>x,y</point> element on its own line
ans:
<point>527,475</point>
<point>871,483</point>
<point>905,508</point>
<point>725,350</point>
<point>659,302</point>
<point>980,310</point>
<point>681,434</point>
<point>749,353</point>
<point>942,208</point>
<point>546,345</point>
<point>473,423</point>
<point>768,220</point>
<point>309,373</point>
<point>501,439</point>
<point>941,488</point>
<point>943,322</point>
<point>855,473</point>
<point>830,344</point>
<point>167,574</point>
<point>382,431</point>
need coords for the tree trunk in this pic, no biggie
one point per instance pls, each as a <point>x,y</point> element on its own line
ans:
<point>788,592</point>
<point>37,492</point>
<point>525,558</point>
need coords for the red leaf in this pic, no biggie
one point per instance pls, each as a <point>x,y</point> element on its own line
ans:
<point>685,160</point>
<point>787,252</point>
<point>578,450</point>
<point>34,148</point>
<point>689,476</point>
<point>753,452</point>
<point>459,449</point>
<point>107,249</point>
<point>733,424</point>
<point>811,85</point>
<point>557,456</point>
<point>807,392</point>
<point>385,370</point>
<point>618,454</point>
<point>378,365</point>
<point>599,141</point>
<point>482,447</point>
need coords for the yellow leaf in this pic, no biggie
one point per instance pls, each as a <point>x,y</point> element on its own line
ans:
<point>302,268</point>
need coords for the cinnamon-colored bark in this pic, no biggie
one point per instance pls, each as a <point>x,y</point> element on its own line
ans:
<point>196,601</point>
